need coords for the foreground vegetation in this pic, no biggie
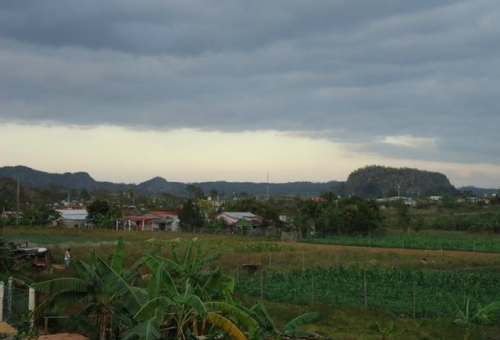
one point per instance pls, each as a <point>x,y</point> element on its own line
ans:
<point>359,292</point>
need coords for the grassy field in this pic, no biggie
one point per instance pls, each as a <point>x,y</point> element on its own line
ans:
<point>339,320</point>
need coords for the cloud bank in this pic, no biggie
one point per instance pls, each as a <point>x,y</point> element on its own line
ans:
<point>404,79</point>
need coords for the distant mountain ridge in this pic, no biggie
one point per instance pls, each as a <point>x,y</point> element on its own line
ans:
<point>81,180</point>
<point>480,191</point>
<point>33,178</point>
<point>374,181</point>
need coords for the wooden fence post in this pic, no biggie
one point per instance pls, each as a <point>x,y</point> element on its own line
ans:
<point>9,297</point>
<point>2,286</point>
<point>31,305</point>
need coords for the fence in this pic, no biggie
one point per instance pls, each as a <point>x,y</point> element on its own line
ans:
<point>17,302</point>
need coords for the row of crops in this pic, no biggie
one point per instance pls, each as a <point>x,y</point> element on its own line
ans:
<point>405,291</point>
<point>414,241</point>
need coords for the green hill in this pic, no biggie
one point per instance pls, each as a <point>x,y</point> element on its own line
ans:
<point>380,181</point>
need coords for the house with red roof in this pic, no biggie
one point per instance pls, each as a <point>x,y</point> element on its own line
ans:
<point>150,221</point>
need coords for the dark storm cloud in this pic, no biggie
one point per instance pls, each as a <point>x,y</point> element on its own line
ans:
<point>355,71</point>
<point>189,27</point>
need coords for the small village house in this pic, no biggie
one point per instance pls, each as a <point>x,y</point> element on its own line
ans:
<point>245,218</point>
<point>72,218</point>
<point>150,221</point>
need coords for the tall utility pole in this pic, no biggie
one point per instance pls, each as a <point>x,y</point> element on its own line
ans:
<point>17,203</point>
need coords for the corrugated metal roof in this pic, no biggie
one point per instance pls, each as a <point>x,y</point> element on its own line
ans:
<point>232,217</point>
<point>239,215</point>
<point>73,214</point>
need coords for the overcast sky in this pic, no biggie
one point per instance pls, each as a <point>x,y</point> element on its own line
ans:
<point>235,90</point>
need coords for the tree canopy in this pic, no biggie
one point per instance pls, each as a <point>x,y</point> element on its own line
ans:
<point>190,216</point>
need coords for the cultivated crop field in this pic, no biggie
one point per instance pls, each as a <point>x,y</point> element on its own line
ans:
<point>423,240</point>
<point>357,290</point>
<point>406,292</point>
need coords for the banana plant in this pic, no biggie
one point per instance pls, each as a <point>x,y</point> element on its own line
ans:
<point>174,311</point>
<point>268,330</point>
<point>483,315</point>
<point>209,283</point>
<point>105,289</point>
<point>174,305</point>
<point>388,330</point>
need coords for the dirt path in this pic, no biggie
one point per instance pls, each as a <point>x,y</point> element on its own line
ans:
<point>432,259</point>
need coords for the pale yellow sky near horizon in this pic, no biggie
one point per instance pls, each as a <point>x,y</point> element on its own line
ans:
<point>122,155</point>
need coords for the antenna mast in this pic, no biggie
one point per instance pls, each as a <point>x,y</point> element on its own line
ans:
<point>267,186</point>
